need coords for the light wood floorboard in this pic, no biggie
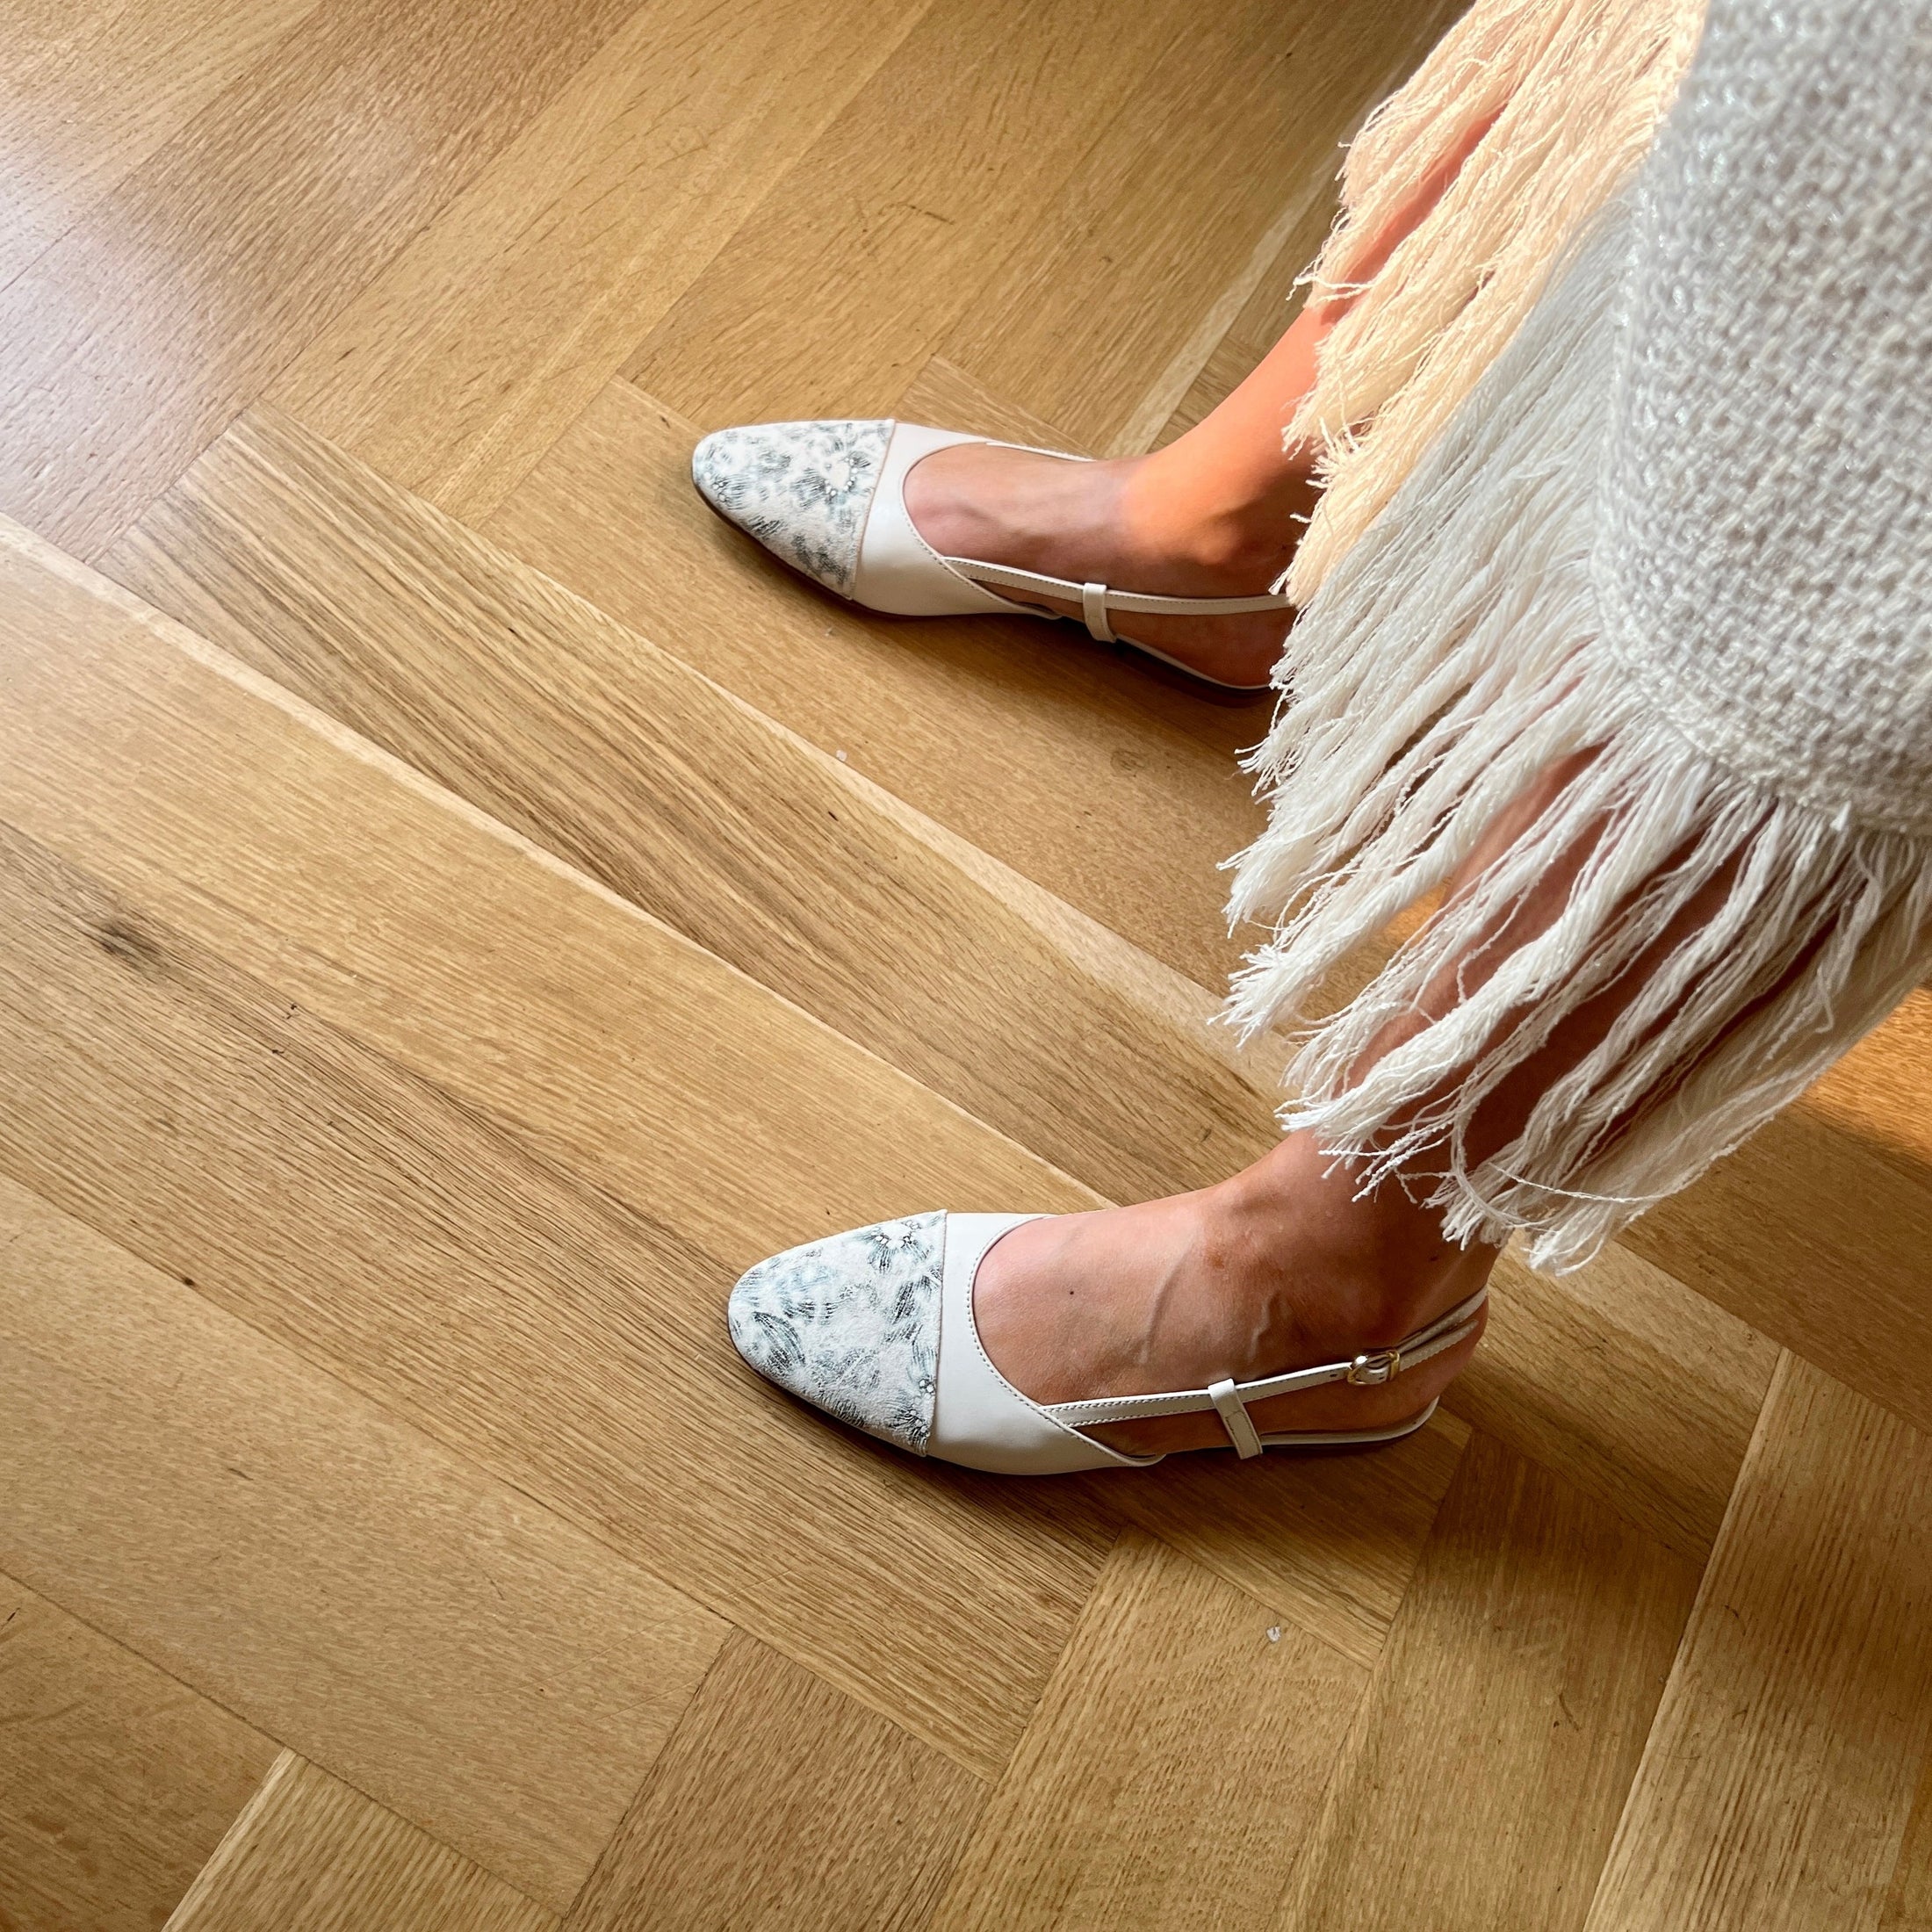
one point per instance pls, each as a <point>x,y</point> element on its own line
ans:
<point>1115,790</point>
<point>1819,1237</point>
<point>1640,1393</point>
<point>548,1306</point>
<point>135,337</point>
<point>89,88</point>
<point>497,1676</point>
<point>781,1806</point>
<point>456,368</point>
<point>311,1854</point>
<point>1482,1783</point>
<point>116,1781</point>
<point>1908,1898</point>
<point>618,756</point>
<point>943,392</point>
<point>1778,1784</point>
<point>1207,107</point>
<point>1331,1541</point>
<point>860,262</point>
<point>1173,1770</point>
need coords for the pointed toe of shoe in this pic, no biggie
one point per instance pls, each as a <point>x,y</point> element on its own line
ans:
<point>802,489</point>
<point>850,1324</point>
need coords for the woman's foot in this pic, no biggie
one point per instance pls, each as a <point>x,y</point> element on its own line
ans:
<point>1280,1268</point>
<point>1116,522</point>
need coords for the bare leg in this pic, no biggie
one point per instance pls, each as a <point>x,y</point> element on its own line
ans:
<point>1283,1264</point>
<point>1215,514</point>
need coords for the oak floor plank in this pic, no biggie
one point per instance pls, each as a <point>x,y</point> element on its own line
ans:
<point>1228,142</point>
<point>856,264</point>
<point>1173,1770</point>
<point>1627,1384</point>
<point>1483,1781</point>
<point>781,1804</point>
<point>312,1854</point>
<point>1331,1540</point>
<point>90,88</point>
<point>459,364</point>
<point>945,394</point>
<point>134,339</point>
<point>1877,1092</point>
<point>456,1122</point>
<point>697,1098</point>
<point>116,1781</point>
<point>1908,1898</point>
<point>1266,309</point>
<point>278,1542</point>
<point>1115,790</point>
<point>1778,1231</point>
<point>482,674</point>
<point>1779,1780</point>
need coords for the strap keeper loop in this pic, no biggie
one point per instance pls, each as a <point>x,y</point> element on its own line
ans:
<point>1375,1367</point>
<point>1093,608</point>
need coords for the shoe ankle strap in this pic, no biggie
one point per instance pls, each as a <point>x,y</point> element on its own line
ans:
<point>1230,1399</point>
<point>1096,601</point>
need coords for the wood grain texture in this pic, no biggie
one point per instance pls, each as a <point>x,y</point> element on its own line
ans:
<point>459,364</point>
<point>1877,1091</point>
<point>1266,309</point>
<point>1776,1230</point>
<point>943,394</point>
<point>1641,1393</point>
<point>1174,1767</point>
<point>1908,1898</point>
<point>481,672</point>
<point>506,1223</point>
<point>1329,1541</point>
<point>1483,1781</point>
<point>878,238</point>
<point>135,338</point>
<point>89,88</point>
<point>1779,1780</point>
<point>779,1804</point>
<point>312,1854</point>
<point>495,1676</point>
<point>116,1781</point>
<point>1095,317</point>
<point>1116,791</point>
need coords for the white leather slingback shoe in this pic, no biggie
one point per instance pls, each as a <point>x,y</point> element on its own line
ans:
<point>875,1327</point>
<point>829,499</point>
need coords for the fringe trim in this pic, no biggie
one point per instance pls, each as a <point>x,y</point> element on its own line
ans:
<point>1572,91</point>
<point>1451,656</point>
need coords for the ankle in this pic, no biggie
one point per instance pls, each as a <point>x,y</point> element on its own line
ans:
<point>1384,1267</point>
<point>1212,519</point>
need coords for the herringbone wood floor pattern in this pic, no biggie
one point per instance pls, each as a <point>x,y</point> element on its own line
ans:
<point>459,904</point>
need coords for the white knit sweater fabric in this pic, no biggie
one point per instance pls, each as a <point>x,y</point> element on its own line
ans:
<point>1684,525</point>
<point>1764,560</point>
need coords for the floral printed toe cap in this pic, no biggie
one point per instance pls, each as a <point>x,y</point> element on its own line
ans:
<point>803,489</point>
<point>851,1324</point>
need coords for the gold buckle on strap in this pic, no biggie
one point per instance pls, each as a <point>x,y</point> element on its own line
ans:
<point>1372,1369</point>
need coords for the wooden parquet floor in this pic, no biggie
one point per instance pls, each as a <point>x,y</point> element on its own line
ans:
<point>459,904</point>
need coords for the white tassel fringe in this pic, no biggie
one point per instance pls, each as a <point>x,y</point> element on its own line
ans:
<point>1452,654</point>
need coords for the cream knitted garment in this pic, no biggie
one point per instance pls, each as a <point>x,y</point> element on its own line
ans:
<point>1562,98</point>
<point>1683,521</point>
